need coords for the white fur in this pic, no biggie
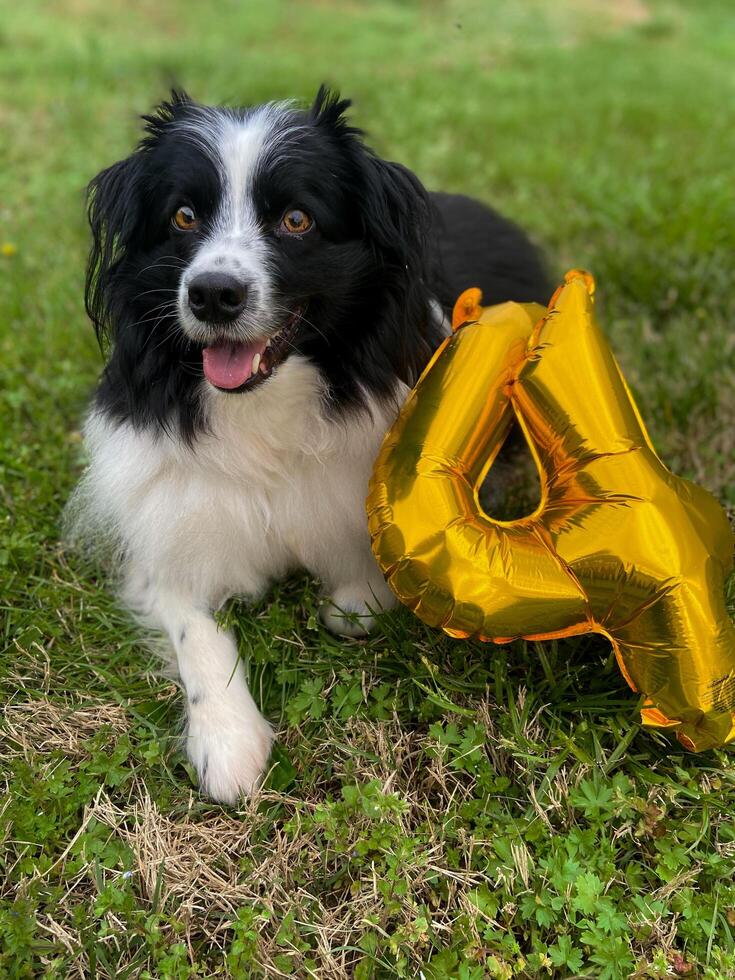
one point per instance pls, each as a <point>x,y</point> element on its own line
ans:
<point>274,485</point>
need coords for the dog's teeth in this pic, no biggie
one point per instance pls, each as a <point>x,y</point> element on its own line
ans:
<point>256,364</point>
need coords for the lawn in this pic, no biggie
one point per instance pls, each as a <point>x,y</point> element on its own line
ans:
<point>436,808</point>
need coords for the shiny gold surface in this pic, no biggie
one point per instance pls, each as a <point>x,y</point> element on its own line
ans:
<point>618,545</point>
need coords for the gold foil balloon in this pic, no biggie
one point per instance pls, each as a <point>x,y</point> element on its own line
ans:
<point>618,545</point>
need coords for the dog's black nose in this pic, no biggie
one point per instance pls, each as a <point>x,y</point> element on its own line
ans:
<point>217,297</point>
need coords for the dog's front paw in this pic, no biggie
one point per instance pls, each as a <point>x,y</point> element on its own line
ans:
<point>349,613</point>
<point>229,752</point>
<point>346,622</point>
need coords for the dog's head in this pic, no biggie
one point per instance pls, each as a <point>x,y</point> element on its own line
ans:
<point>233,238</point>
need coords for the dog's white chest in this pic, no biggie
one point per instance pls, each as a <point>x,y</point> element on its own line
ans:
<point>272,486</point>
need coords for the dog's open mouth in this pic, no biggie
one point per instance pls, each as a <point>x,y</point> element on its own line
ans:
<point>238,365</point>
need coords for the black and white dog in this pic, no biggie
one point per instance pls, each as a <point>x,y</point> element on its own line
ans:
<point>268,289</point>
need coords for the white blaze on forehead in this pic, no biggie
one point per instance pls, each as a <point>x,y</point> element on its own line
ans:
<point>236,243</point>
<point>241,147</point>
<point>238,146</point>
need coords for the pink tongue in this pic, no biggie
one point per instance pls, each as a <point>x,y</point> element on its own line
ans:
<point>229,364</point>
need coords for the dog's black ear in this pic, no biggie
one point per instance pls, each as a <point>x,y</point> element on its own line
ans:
<point>395,214</point>
<point>394,203</point>
<point>114,210</point>
<point>396,217</point>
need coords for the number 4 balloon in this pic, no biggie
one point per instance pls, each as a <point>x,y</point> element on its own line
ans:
<point>618,545</point>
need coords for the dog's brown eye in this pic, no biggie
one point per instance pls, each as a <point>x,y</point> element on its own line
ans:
<point>185,219</point>
<point>296,222</point>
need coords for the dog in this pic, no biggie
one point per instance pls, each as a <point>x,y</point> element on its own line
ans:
<point>267,289</point>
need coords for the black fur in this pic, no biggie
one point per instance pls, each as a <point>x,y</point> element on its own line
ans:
<point>381,249</point>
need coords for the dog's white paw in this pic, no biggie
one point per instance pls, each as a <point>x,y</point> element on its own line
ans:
<point>344,622</point>
<point>229,752</point>
<point>349,613</point>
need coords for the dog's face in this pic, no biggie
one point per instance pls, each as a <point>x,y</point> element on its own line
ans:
<point>232,239</point>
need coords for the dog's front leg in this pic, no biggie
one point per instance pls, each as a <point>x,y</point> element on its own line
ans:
<point>227,738</point>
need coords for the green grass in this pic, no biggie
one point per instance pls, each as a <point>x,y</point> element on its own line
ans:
<point>457,809</point>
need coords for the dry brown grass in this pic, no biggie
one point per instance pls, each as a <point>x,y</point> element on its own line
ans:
<point>202,865</point>
<point>43,726</point>
<point>194,863</point>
